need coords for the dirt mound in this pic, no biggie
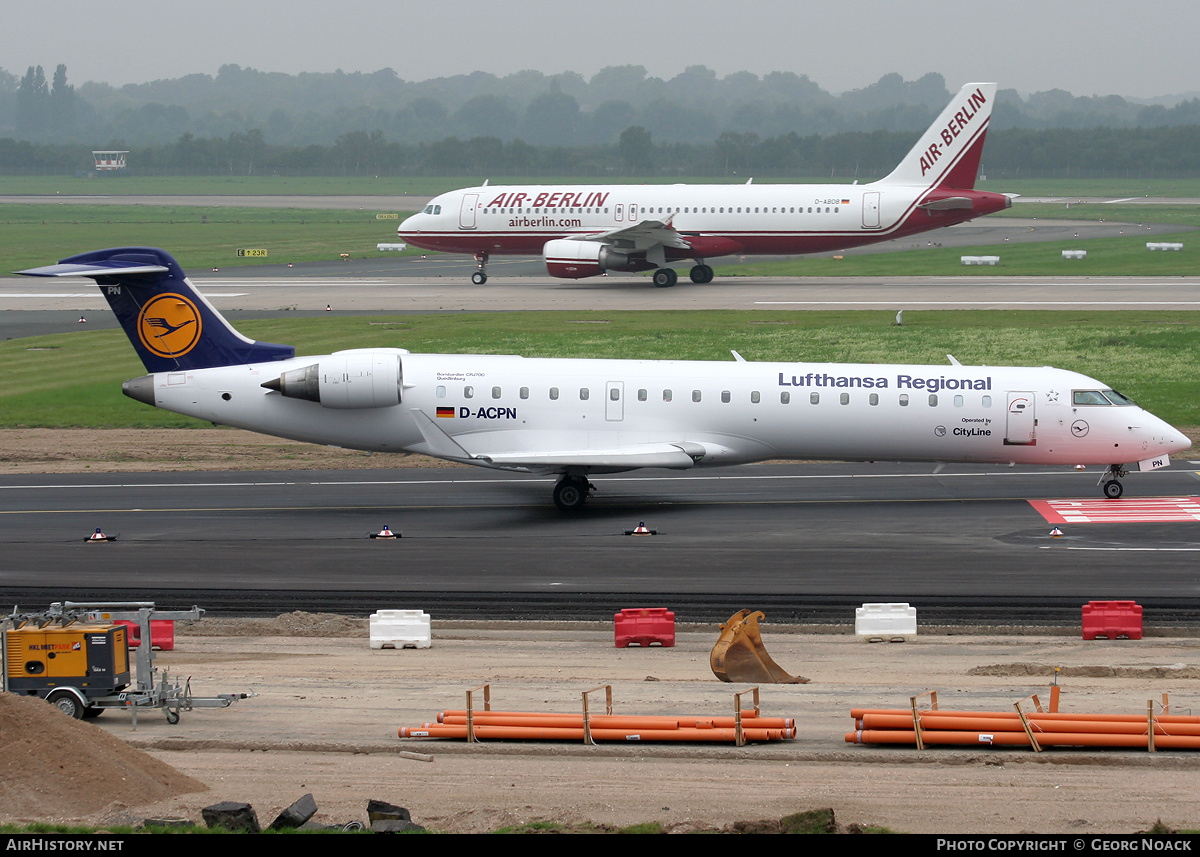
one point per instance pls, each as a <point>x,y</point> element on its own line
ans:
<point>54,767</point>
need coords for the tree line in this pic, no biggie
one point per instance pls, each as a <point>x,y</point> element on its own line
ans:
<point>695,107</point>
<point>1163,152</point>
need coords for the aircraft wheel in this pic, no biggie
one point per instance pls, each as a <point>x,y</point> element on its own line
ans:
<point>479,278</point>
<point>1113,489</point>
<point>702,274</point>
<point>570,494</point>
<point>172,716</point>
<point>66,702</point>
<point>664,278</point>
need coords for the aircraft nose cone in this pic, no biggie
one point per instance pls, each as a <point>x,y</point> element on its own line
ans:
<point>1178,441</point>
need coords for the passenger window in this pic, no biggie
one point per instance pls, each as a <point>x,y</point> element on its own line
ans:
<point>524,392</point>
<point>958,401</point>
<point>755,397</point>
<point>814,398</point>
<point>468,392</point>
<point>873,399</point>
<point>695,395</point>
<point>725,396</point>
<point>845,398</point>
<point>904,400</point>
<point>666,395</point>
<point>641,395</point>
<point>785,397</point>
<point>553,393</point>
<point>495,392</point>
<point>987,401</point>
<point>933,400</point>
<point>615,394</point>
<point>441,391</point>
<point>583,394</point>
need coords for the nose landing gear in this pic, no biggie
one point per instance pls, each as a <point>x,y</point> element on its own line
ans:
<point>480,276</point>
<point>1112,487</point>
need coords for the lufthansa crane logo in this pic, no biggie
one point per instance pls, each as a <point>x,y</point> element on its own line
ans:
<point>169,325</point>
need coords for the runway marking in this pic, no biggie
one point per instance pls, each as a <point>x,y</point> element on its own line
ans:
<point>72,486</point>
<point>1141,510</point>
<point>917,302</point>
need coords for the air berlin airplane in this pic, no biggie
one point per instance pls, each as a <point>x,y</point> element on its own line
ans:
<point>582,231</point>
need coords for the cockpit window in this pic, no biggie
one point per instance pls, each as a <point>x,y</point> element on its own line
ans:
<point>432,209</point>
<point>1117,399</point>
<point>1089,397</point>
<point>429,209</point>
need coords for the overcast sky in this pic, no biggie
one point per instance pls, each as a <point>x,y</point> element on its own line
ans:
<point>1088,47</point>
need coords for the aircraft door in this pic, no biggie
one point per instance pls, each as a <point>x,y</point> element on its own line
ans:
<point>620,211</point>
<point>466,214</point>
<point>1021,428</point>
<point>871,210</point>
<point>614,401</point>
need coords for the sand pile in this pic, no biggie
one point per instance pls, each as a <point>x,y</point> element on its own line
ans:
<point>55,768</point>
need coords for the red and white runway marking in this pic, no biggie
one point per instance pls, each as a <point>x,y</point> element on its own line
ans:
<point>1133,510</point>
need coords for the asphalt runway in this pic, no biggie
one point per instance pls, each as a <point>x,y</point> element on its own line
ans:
<point>802,541</point>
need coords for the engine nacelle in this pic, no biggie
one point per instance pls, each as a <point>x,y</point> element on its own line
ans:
<point>359,379</point>
<point>574,260</point>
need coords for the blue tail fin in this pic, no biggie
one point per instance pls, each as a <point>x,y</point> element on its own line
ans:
<point>171,325</point>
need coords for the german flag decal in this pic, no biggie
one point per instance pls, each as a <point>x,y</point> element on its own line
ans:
<point>445,412</point>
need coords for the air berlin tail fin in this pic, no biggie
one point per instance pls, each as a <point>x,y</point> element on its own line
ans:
<point>171,325</point>
<point>947,155</point>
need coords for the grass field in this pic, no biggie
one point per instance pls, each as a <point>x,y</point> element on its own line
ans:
<point>74,379</point>
<point>196,237</point>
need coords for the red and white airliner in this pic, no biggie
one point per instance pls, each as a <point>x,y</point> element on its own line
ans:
<point>582,231</point>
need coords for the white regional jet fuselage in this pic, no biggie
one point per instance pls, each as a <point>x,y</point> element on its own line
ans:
<point>582,231</point>
<point>577,417</point>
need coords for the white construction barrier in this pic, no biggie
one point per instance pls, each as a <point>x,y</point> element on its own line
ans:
<point>396,247</point>
<point>400,629</point>
<point>1074,254</point>
<point>1164,245</point>
<point>980,260</point>
<point>881,623</point>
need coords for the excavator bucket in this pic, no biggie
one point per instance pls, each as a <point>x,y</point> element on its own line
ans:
<point>740,656</point>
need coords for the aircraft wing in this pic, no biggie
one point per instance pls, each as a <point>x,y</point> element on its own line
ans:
<point>673,456</point>
<point>642,236</point>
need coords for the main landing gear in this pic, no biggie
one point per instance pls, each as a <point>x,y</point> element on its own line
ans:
<point>1112,487</point>
<point>480,276</point>
<point>664,278</point>
<point>571,492</point>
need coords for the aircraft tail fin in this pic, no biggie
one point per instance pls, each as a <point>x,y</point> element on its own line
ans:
<point>171,325</point>
<point>948,153</point>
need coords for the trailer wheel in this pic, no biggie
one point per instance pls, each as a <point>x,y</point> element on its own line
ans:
<point>66,702</point>
<point>172,716</point>
<point>92,712</point>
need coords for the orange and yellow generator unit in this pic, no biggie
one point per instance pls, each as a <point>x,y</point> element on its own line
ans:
<point>69,666</point>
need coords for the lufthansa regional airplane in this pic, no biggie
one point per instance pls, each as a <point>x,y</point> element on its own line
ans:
<point>582,231</point>
<point>577,417</point>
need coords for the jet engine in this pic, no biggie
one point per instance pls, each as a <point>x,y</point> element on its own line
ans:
<point>353,379</point>
<point>574,260</point>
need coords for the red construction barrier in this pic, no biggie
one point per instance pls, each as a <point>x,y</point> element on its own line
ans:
<point>162,634</point>
<point>1112,619</point>
<point>644,625</point>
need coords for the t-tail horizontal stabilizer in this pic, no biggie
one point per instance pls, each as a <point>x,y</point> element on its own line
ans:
<point>171,325</point>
